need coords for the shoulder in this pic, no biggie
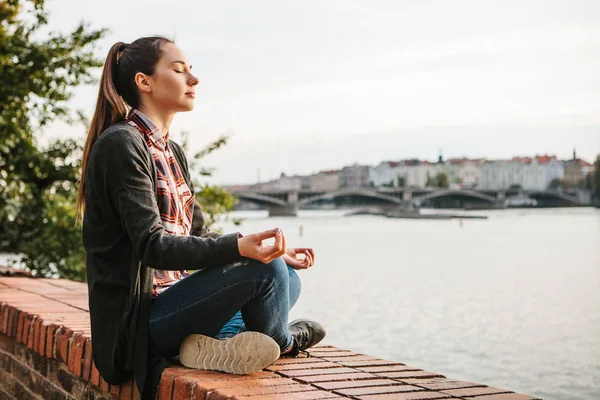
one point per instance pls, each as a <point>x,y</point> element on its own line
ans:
<point>120,139</point>
<point>120,133</point>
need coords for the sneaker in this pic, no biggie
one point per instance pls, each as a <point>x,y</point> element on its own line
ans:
<point>241,354</point>
<point>306,333</point>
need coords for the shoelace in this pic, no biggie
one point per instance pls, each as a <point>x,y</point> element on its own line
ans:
<point>302,338</point>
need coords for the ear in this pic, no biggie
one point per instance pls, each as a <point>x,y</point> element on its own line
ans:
<point>142,82</point>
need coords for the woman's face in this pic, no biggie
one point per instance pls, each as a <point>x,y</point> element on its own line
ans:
<point>172,86</point>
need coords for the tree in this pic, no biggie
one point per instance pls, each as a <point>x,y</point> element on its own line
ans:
<point>515,187</point>
<point>37,185</point>
<point>555,184</point>
<point>440,180</point>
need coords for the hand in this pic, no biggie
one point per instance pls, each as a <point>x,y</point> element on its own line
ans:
<point>251,246</point>
<point>293,258</point>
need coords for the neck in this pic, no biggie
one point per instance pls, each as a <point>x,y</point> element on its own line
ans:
<point>162,119</point>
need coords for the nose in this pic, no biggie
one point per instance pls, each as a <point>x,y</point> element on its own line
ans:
<point>193,81</point>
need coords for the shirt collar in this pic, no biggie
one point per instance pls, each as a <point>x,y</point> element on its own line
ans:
<point>149,128</point>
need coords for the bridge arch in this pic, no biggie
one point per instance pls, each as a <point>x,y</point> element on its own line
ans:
<point>261,199</point>
<point>538,195</point>
<point>454,192</point>
<point>351,192</point>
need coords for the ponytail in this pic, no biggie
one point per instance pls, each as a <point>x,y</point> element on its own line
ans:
<point>118,93</point>
<point>110,109</point>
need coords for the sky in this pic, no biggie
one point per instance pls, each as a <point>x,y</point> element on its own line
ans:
<point>311,85</point>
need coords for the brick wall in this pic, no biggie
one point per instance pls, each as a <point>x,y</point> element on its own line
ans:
<point>45,353</point>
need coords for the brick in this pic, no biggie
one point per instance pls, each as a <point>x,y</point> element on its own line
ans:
<point>3,317</point>
<point>95,375</point>
<point>388,368</point>
<point>363,363</point>
<point>115,390</point>
<point>22,392</point>
<point>318,371</point>
<point>7,344</point>
<point>50,391</point>
<point>409,374</point>
<point>63,337</point>
<point>505,396</point>
<point>28,329</point>
<point>308,360</point>
<point>320,353</point>
<point>7,381</point>
<point>293,396</point>
<point>104,385</point>
<point>406,396</point>
<point>20,352</point>
<point>183,388</point>
<point>12,317</point>
<point>35,361</point>
<point>41,343</point>
<point>71,383</point>
<point>355,384</point>
<point>220,376</point>
<point>336,377</point>
<point>50,336</point>
<point>441,385</point>
<point>127,390</point>
<point>378,390</point>
<point>5,362</point>
<point>290,367</point>
<point>333,357</point>
<point>34,339</point>
<point>256,391</point>
<point>86,367</point>
<point>20,325</point>
<point>247,383</point>
<point>474,391</point>
<point>76,353</point>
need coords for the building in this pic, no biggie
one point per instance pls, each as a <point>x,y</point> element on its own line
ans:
<point>504,174</point>
<point>382,174</point>
<point>576,171</point>
<point>284,183</point>
<point>355,176</point>
<point>325,181</point>
<point>553,169</point>
<point>413,173</point>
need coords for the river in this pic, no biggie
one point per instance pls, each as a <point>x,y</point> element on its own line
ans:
<point>511,301</point>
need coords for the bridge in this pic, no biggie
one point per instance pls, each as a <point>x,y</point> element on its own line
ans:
<point>288,202</point>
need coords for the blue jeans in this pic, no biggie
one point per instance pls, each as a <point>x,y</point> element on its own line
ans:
<point>222,301</point>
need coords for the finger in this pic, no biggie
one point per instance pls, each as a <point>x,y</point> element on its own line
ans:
<point>303,250</point>
<point>278,248</point>
<point>309,258</point>
<point>266,234</point>
<point>297,264</point>
<point>312,255</point>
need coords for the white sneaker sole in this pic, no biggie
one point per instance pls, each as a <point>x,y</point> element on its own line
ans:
<point>241,354</point>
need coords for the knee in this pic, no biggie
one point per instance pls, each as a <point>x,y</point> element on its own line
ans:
<point>279,270</point>
<point>275,271</point>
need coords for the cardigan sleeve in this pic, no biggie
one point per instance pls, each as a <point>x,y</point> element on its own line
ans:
<point>128,177</point>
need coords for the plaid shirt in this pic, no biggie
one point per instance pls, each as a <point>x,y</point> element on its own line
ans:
<point>175,200</point>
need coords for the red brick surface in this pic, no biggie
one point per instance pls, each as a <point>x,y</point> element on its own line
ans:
<point>51,320</point>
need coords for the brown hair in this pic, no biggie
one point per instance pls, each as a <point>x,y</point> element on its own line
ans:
<point>117,93</point>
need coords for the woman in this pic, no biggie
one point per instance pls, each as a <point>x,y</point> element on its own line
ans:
<point>136,203</point>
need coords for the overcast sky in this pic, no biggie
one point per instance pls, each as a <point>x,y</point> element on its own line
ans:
<point>318,84</point>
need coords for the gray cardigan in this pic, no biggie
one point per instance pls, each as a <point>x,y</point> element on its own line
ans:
<point>124,239</point>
